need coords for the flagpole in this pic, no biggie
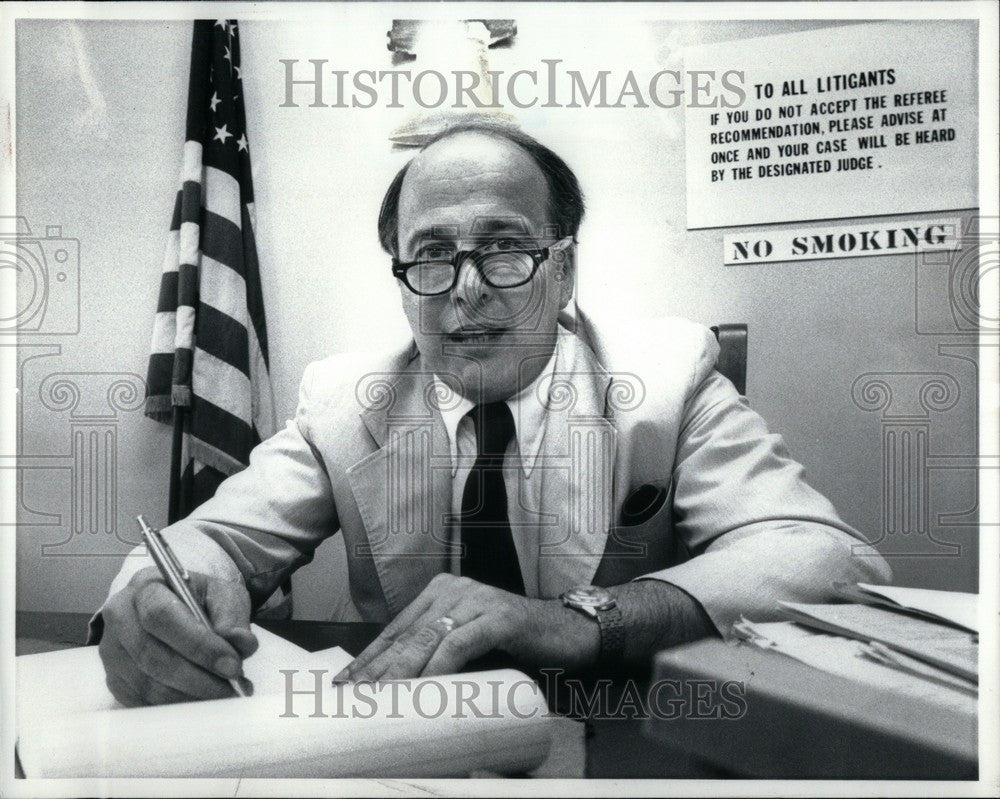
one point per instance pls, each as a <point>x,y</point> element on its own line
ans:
<point>174,503</point>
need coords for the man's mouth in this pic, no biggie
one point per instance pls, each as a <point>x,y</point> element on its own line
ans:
<point>476,335</point>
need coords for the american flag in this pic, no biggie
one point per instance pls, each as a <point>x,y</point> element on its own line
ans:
<point>209,353</point>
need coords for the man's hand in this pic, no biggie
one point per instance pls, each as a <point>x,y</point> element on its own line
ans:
<point>536,632</point>
<point>418,643</point>
<point>155,651</point>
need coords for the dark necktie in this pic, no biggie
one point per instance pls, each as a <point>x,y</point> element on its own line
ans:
<point>489,555</point>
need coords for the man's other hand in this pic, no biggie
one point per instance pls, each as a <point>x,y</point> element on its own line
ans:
<point>455,620</point>
<point>155,651</point>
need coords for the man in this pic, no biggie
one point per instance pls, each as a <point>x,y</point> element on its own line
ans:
<point>492,474</point>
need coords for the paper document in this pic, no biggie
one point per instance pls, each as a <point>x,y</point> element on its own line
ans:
<point>945,607</point>
<point>851,658</point>
<point>897,660</point>
<point>954,606</point>
<point>81,668</point>
<point>953,650</point>
<point>69,725</point>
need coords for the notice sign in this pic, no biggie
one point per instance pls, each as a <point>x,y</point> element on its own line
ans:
<point>842,241</point>
<point>850,121</point>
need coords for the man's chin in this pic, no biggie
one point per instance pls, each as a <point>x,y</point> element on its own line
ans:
<point>477,382</point>
<point>491,370</point>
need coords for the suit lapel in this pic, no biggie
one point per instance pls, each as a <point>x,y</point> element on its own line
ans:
<point>403,489</point>
<point>578,459</point>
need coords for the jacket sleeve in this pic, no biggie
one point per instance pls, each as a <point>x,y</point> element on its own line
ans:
<point>757,531</point>
<point>263,522</point>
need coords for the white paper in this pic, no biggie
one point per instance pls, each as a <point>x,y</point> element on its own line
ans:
<point>69,725</point>
<point>899,660</point>
<point>945,647</point>
<point>954,606</point>
<point>71,681</point>
<point>847,657</point>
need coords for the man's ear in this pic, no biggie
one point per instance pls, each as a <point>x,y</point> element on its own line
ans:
<point>565,273</point>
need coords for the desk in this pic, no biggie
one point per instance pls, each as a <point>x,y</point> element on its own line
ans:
<point>798,722</point>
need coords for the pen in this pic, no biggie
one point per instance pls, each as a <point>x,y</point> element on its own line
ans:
<point>176,576</point>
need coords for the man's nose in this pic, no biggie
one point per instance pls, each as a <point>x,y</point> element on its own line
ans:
<point>470,288</point>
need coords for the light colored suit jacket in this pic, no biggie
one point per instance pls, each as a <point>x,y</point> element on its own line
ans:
<point>638,406</point>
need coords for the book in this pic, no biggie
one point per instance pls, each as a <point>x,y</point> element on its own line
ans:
<point>296,724</point>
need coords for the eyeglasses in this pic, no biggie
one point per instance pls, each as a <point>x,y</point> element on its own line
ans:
<point>503,264</point>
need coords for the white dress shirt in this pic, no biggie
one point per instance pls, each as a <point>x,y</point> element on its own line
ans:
<point>524,484</point>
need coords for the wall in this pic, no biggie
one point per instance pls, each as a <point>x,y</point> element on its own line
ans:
<point>99,137</point>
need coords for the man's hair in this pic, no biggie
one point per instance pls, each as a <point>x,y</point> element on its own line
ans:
<point>566,204</point>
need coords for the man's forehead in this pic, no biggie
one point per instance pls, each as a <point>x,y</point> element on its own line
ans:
<point>472,167</point>
<point>469,149</point>
<point>477,183</point>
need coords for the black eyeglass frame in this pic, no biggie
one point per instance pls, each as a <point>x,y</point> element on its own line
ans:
<point>539,255</point>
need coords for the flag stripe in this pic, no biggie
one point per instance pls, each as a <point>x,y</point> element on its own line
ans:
<point>222,194</point>
<point>159,373</point>
<point>171,254</point>
<point>180,391</point>
<point>219,428</point>
<point>223,289</point>
<point>189,198</point>
<point>190,243</point>
<point>175,219</point>
<point>167,301</point>
<point>222,241</point>
<point>222,384</point>
<point>203,452</point>
<point>161,365</point>
<point>178,288</point>
<point>192,165</point>
<point>223,338</point>
<point>185,319</point>
<point>163,335</point>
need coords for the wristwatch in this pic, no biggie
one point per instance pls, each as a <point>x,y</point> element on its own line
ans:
<point>598,604</point>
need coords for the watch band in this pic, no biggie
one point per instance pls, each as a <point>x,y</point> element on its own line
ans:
<point>612,635</point>
<point>600,606</point>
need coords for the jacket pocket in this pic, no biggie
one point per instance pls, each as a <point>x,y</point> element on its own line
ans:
<point>645,523</point>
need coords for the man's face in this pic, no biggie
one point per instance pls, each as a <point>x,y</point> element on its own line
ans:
<point>459,194</point>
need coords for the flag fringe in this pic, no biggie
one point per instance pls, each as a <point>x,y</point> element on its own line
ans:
<point>180,395</point>
<point>159,409</point>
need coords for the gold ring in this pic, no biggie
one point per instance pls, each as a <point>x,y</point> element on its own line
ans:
<point>447,623</point>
